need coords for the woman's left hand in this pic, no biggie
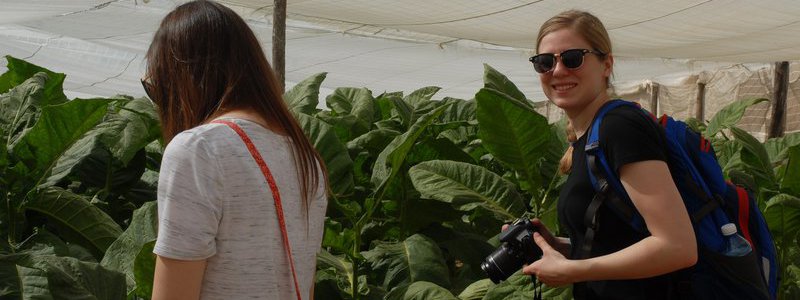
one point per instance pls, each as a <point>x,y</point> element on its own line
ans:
<point>553,269</point>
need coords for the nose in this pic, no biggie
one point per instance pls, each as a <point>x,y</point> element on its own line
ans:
<point>559,68</point>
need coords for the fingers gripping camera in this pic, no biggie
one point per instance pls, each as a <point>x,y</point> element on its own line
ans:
<point>516,250</point>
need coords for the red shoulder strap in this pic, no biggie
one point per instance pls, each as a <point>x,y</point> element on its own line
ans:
<point>275,194</point>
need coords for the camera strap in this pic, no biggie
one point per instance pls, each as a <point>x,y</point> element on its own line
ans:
<point>276,195</point>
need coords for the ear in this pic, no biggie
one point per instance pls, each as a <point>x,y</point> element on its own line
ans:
<point>608,65</point>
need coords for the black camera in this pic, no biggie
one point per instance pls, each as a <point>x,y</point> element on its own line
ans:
<point>518,248</point>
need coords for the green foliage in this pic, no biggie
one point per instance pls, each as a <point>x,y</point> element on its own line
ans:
<point>420,187</point>
<point>72,174</point>
<point>467,186</point>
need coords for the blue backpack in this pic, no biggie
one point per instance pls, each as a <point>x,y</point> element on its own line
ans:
<point>711,203</point>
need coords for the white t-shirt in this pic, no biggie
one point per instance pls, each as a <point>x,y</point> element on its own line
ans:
<point>214,204</point>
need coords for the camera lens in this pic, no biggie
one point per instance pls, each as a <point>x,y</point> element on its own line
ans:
<point>502,263</point>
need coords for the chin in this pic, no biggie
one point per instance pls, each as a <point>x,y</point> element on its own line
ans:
<point>563,103</point>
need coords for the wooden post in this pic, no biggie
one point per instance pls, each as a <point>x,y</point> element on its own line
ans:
<point>699,112</point>
<point>279,41</point>
<point>654,98</point>
<point>781,83</point>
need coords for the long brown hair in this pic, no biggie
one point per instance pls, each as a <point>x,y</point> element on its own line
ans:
<point>204,60</point>
<point>594,32</point>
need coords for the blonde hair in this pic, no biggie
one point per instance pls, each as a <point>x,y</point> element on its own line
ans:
<point>565,164</point>
<point>594,32</point>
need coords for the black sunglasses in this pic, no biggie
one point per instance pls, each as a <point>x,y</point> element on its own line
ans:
<point>148,89</point>
<point>572,59</point>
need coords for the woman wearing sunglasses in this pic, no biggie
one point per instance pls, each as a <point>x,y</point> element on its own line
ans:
<point>229,226</point>
<point>574,62</point>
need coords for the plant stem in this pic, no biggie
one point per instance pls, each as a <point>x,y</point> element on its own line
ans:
<point>724,135</point>
<point>12,223</point>
<point>550,187</point>
<point>355,255</point>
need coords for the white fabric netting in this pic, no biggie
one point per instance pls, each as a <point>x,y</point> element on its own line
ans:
<point>405,45</point>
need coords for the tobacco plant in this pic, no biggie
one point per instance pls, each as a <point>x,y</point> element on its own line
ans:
<point>419,188</point>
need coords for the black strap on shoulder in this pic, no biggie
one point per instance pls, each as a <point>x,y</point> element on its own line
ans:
<point>590,216</point>
<point>711,203</point>
<point>604,193</point>
<point>590,219</point>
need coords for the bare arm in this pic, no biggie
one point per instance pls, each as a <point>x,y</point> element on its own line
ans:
<point>670,247</point>
<point>177,279</point>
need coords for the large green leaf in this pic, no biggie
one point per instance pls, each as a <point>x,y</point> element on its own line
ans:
<point>437,148</point>
<point>304,96</point>
<point>20,282</point>
<point>70,278</point>
<point>352,112</point>
<point>72,212</point>
<point>791,179</point>
<point>420,290</point>
<point>336,275</point>
<point>420,97</point>
<point>755,156</point>
<point>142,127</point>
<point>477,290</point>
<point>45,276</point>
<point>345,126</point>
<point>335,237</point>
<point>19,109</point>
<point>417,258</point>
<point>390,160</point>
<point>464,253</point>
<point>492,79</point>
<point>332,151</point>
<point>467,186</point>
<point>729,154</point>
<point>464,114</point>
<point>373,141</point>
<point>121,255</point>
<point>777,148</point>
<point>144,268</point>
<point>101,157</point>
<point>353,101</point>
<point>384,107</point>
<point>20,71</point>
<point>342,266</point>
<point>783,216</point>
<point>557,145</point>
<point>515,134</point>
<point>459,110</point>
<point>518,286</point>
<point>560,293</point>
<point>403,110</point>
<point>58,129</point>
<point>729,115</point>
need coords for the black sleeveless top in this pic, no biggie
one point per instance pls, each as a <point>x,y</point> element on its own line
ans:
<point>627,136</point>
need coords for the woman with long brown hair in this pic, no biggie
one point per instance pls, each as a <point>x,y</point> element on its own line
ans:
<point>230,227</point>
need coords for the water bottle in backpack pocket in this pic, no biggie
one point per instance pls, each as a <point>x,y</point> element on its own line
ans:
<point>729,266</point>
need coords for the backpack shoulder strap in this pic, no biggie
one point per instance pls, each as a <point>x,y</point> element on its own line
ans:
<point>602,177</point>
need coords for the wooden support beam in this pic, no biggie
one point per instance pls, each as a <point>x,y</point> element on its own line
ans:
<point>777,124</point>
<point>700,106</point>
<point>654,98</point>
<point>279,41</point>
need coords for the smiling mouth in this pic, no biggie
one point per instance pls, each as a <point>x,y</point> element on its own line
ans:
<point>564,87</point>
